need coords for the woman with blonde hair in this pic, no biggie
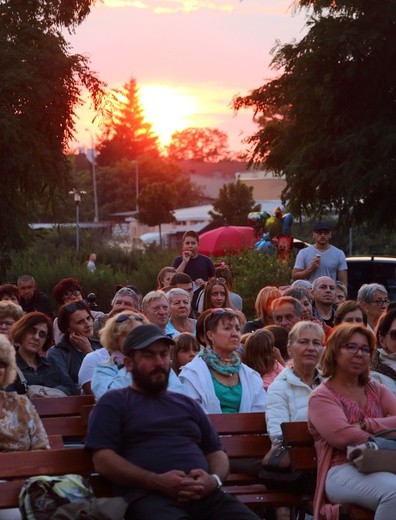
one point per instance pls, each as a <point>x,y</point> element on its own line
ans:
<point>263,305</point>
<point>346,410</point>
<point>20,425</point>
<point>110,357</point>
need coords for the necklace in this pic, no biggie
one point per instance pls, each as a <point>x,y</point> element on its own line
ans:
<point>221,366</point>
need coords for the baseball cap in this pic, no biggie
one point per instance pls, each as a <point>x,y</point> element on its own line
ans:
<point>143,336</point>
<point>322,226</point>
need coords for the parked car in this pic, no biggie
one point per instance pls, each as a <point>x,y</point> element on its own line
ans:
<point>369,269</point>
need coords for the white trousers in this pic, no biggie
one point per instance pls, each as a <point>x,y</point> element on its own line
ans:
<point>376,491</point>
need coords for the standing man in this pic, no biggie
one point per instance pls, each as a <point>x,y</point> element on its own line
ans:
<point>199,267</point>
<point>31,298</point>
<point>321,258</point>
<point>157,447</point>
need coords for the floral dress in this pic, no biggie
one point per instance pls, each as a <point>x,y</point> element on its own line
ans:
<point>20,426</point>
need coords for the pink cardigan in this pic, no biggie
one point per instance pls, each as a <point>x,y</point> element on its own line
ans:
<point>330,428</point>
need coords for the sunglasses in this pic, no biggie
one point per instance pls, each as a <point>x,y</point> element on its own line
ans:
<point>124,317</point>
<point>220,280</point>
<point>76,306</point>
<point>392,334</point>
<point>223,310</point>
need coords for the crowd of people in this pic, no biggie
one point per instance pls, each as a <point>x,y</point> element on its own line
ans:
<point>158,363</point>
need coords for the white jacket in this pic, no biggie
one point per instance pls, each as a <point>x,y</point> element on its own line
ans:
<point>198,384</point>
<point>287,401</point>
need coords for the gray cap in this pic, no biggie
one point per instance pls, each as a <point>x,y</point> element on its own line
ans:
<point>143,336</point>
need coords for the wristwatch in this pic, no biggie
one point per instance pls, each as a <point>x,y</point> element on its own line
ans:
<point>218,480</point>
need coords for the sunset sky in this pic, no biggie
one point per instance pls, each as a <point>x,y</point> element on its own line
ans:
<point>189,58</point>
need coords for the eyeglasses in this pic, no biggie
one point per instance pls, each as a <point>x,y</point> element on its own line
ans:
<point>5,323</point>
<point>392,334</point>
<point>124,317</point>
<point>353,348</point>
<point>68,294</point>
<point>41,333</point>
<point>380,302</point>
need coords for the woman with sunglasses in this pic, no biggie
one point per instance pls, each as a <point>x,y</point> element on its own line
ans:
<point>112,373</point>
<point>32,336</point>
<point>346,410</point>
<point>102,365</point>
<point>76,322</point>
<point>216,378</point>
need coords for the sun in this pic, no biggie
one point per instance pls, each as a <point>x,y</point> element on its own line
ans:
<point>168,109</point>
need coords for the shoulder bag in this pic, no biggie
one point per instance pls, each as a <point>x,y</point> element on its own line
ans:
<point>378,454</point>
<point>38,390</point>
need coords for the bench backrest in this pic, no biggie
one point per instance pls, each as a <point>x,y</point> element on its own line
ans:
<point>243,435</point>
<point>62,406</point>
<point>301,445</point>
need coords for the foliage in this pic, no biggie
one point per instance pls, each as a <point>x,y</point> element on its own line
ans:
<point>202,144</point>
<point>127,135</point>
<point>328,122</point>
<point>156,205</point>
<point>234,203</point>
<point>37,106</point>
<point>52,257</point>
<point>116,185</point>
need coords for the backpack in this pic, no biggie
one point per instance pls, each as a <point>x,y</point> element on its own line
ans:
<point>41,496</point>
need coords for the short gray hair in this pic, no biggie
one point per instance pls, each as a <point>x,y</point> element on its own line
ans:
<point>298,308</point>
<point>367,291</point>
<point>150,296</point>
<point>126,291</point>
<point>176,291</point>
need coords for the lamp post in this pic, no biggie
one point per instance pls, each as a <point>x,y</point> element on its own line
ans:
<point>95,192</point>
<point>77,199</point>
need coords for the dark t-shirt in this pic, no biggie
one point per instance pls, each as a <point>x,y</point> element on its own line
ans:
<point>40,302</point>
<point>157,432</point>
<point>200,267</point>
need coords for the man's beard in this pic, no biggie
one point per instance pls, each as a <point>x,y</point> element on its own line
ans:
<point>146,383</point>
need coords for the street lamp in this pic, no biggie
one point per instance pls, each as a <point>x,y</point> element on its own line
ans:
<point>95,193</point>
<point>77,199</point>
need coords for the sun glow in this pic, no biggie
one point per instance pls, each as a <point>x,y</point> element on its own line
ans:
<point>168,109</point>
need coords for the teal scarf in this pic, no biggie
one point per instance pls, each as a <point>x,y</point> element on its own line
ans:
<point>216,363</point>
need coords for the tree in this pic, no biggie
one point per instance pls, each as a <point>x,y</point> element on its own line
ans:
<point>40,86</point>
<point>127,135</point>
<point>234,203</point>
<point>202,144</point>
<point>328,122</point>
<point>156,205</point>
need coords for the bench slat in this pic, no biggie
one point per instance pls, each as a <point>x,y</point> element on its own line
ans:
<point>62,406</point>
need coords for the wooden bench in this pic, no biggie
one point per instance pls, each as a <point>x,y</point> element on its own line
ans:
<point>63,415</point>
<point>17,466</point>
<point>303,458</point>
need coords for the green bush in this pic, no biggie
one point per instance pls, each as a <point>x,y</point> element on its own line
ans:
<point>53,257</point>
<point>253,271</point>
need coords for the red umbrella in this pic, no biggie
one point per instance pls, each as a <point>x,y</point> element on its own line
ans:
<point>226,240</point>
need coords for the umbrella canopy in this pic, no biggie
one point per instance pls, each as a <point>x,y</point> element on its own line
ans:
<point>226,240</point>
